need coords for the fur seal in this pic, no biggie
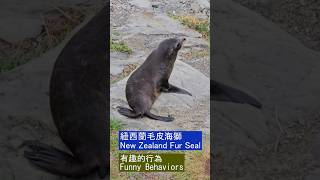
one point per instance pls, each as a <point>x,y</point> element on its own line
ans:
<point>222,92</point>
<point>78,101</point>
<point>150,79</point>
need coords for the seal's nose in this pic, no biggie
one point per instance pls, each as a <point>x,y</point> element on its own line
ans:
<point>182,40</point>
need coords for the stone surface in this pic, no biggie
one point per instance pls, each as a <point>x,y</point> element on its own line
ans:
<point>315,175</point>
<point>11,29</point>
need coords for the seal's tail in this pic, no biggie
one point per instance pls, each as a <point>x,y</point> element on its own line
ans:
<point>221,92</point>
<point>56,161</point>
<point>127,112</point>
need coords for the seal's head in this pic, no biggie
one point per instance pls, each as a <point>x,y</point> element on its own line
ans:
<point>170,47</point>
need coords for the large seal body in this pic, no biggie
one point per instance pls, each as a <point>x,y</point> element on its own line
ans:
<point>78,105</point>
<point>150,79</point>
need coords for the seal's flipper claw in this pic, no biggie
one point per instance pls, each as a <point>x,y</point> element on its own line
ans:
<point>56,161</point>
<point>127,112</point>
<point>44,149</point>
<point>159,118</point>
<point>45,158</point>
<point>175,89</point>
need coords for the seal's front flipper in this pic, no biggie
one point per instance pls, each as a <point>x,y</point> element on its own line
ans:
<point>160,118</point>
<point>221,92</point>
<point>175,89</point>
<point>56,161</point>
<point>127,112</point>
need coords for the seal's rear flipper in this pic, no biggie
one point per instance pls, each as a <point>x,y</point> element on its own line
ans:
<point>127,112</point>
<point>160,118</point>
<point>56,161</point>
<point>221,92</point>
<point>175,89</point>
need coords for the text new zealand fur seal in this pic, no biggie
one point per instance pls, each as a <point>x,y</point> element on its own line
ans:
<point>150,79</point>
<point>78,96</point>
<point>222,92</point>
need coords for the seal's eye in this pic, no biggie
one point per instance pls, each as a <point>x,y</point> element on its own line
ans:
<point>178,45</point>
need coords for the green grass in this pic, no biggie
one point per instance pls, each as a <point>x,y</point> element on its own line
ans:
<point>115,33</point>
<point>202,26</point>
<point>115,126</point>
<point>19,57</point>
<point>200,54</point>
<point>8,63</point>
<point>119,47</point>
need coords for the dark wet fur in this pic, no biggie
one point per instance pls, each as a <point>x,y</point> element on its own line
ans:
<point>78,105</point>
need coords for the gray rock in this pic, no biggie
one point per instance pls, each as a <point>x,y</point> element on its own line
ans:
<point>117,62</point>
<point>195,6</point>
<point>200,5</point>
<point>314,175</point>
<point>141,4</point>
<point>204,3</point>
<point>316,148</point>
<point>19,28</point>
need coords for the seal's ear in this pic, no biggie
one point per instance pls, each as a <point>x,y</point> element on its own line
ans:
<point>221,92</point>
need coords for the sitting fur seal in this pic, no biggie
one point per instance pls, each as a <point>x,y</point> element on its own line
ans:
<point>150,79</point>
<point>222,92</point>
<point>78,96</point>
